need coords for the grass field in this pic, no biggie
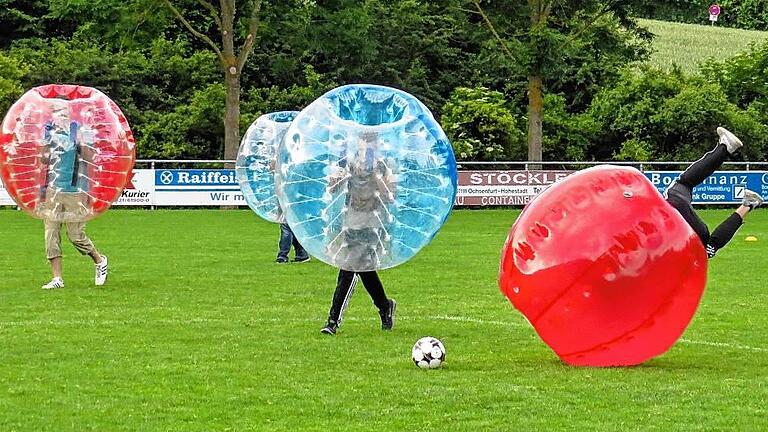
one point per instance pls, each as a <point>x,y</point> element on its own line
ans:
<point>198,330</point>
<point>688,45</point>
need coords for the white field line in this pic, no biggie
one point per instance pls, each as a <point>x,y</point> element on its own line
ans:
<point>197,321</point>
<point>723,345</point>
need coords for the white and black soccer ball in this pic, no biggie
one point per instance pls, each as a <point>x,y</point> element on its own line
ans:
<point>428,353</point>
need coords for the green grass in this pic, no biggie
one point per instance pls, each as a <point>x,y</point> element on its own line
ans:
<point>198,330</point>
<point>688,45</point>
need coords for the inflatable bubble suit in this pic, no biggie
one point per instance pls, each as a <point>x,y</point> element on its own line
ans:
<point>366,177</point>
<point>66,152</point>
<point>256,161</point>
<point>606,271</point>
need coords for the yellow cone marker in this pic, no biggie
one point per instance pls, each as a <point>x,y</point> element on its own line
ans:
<point>750,238</point>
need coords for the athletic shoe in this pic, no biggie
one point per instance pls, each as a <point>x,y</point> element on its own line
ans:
<point>388,316</point>
<point>102,270</point>
<point>54,283</point>
<point>330,328</point>
<point>302,260</point>
<point>731,142</point>
<point>282,260</point>
<point>752,200</point>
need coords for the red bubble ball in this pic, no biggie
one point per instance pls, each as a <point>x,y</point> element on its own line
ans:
<point>606,271</point>
<point>66,152</point>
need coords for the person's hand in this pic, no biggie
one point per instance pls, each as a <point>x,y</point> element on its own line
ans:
<point>336,178</point>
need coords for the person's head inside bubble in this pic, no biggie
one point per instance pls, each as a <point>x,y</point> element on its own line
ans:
<point>60,116</point>
<point>365,155</point>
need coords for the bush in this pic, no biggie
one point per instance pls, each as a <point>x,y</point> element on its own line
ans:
<point>11,73</point>
<point>566,136</point>
<point>259,101</point>
<point>742,76</point>
<point>634,150</point>
<point>481,126</point>
<point>744,14</point>
<point>191,131</point>
<point>671,116</point>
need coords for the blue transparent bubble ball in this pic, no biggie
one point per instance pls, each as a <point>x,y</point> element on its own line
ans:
<point>366,177</point>
<point>256,163</point>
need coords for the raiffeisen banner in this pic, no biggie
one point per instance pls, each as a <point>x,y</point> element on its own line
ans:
<point>197,187</point>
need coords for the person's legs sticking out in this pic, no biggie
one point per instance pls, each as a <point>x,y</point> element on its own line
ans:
<point>345,287</point>
<point>284,244</point>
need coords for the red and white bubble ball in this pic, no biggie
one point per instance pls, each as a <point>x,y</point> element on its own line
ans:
<point>606,271</point>
<point>66,152</point>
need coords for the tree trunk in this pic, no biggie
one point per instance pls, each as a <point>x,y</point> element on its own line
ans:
<point>535,114</point>
<point>232,115</point>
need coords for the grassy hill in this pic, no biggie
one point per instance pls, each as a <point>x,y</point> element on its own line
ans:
<point>687,45</point>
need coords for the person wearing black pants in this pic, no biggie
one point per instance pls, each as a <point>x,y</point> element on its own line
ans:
<point>680,194</point>
<point>368,186</point>
<point>345,286</point>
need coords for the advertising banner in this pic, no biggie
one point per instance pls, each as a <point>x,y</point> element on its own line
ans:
<point>140,190</point>
<point>722,187</point>
<point>217,187</point>
<point>211,187</point>
<point>503,188</point>
<point>5,199</point>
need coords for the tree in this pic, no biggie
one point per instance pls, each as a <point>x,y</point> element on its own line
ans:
<point>414,45</point>
<point>21,18</point>
<point>231,61</point>
<point>481,127</point>
<point>11,72</point>
<point>552,28</point>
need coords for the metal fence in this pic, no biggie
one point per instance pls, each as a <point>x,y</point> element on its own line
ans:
<point>512,165</point>
<point>642,166</point>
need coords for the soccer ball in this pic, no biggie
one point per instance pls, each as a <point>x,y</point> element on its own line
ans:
<point>428,353</point>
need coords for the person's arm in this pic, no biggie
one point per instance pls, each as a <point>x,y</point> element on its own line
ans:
<point>385,182</point>
<point>45,160</point>
<point>336,180</point>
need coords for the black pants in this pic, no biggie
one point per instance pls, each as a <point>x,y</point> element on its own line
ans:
<point>680,196</point>
<point>345,286</point>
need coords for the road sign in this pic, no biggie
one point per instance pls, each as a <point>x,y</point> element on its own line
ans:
<point>714,11</point>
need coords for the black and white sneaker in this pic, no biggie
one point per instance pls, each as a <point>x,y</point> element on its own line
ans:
<point>302,259</point>
<point>388,316</point>
<point>102,270</point>
<point>330,328</point>
<point>55,283</point>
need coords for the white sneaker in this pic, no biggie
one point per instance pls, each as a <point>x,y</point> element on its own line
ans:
<point>731,142</point>
<point>752,199</point>
<point>102,270</point>
<point>56,282</point>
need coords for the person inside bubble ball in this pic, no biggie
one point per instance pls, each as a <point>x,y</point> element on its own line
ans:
<point>680,194</point>
<point>369,186</point>
<point>61,194</point>
<point>287,238</point>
